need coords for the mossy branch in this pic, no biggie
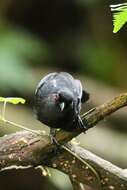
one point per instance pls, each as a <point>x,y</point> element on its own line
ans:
<point>28,149</point>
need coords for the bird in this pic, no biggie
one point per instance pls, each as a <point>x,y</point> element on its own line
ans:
<point>58,101</point>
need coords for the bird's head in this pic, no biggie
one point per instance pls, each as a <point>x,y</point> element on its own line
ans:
<point>63,100</point>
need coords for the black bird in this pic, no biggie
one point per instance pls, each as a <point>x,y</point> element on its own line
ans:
<point>58,100</point>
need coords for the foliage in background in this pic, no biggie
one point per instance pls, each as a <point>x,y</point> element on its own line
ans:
<point>18,51</point>
<point>23,53</point>
<point>119,16</point>
<point>12,100</point>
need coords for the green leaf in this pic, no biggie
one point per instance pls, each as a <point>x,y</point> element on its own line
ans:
<point>2,99</point>
<point>13,100</point>
<point>119,16</point>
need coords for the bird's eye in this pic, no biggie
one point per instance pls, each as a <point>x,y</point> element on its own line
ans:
<point>56,97</point>
<point>65,98</point>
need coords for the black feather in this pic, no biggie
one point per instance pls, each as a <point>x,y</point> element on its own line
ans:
<point>68,91</point>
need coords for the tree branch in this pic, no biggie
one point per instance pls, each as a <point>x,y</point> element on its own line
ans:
<point>29,149</point>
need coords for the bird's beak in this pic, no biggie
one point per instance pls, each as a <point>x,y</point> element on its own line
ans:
<point>62,105</point>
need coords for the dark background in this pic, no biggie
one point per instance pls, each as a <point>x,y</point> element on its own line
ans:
<point>42,36</point>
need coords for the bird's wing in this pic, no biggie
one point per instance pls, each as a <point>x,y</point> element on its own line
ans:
<point>78,88</point>
<point>45,79</point>
<point>75,84</point>
<point>83,95</point>
<point>66,75</point>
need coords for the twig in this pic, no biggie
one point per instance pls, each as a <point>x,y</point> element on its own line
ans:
<point>27,149</point>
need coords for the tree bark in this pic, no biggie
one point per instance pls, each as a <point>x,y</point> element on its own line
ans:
<point>30,149</point>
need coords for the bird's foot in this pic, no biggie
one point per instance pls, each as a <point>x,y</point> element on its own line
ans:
<point>57,145</point>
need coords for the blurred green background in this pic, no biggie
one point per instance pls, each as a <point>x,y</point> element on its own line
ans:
<point>42,36</point>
